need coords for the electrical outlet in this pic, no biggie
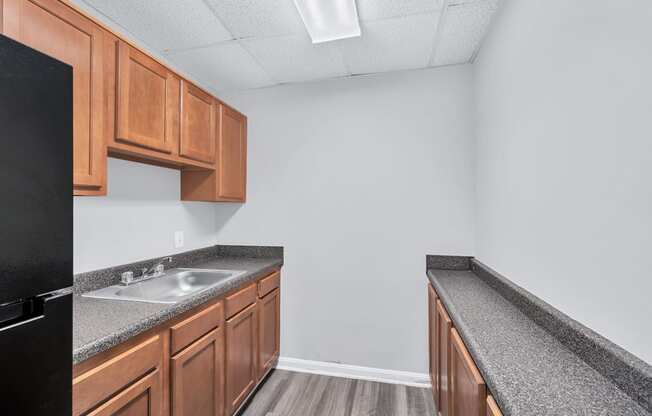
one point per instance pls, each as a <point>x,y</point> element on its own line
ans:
<point>178,239</point>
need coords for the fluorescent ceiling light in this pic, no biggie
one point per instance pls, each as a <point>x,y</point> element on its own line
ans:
<point>328,20</point>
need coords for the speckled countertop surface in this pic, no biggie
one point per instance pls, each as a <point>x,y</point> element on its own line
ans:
<point>528,371</point>
<point>101,324</point>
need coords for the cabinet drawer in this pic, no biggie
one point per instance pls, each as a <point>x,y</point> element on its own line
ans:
<point>193,328</point>
<point>240,300</point>
<point>269,283</point>
<point>100,383</point>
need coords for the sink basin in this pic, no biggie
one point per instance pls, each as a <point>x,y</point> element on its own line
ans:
<point>173,287</point>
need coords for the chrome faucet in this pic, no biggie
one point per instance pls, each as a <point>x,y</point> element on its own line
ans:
<point>156,270</point>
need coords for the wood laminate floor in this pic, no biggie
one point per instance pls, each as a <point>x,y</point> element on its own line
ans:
<point>287,393</point>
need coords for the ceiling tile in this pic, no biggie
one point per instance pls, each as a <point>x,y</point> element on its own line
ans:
<point>384,9</point>
<point>490,3</point>
<point>295,58</point>
<point>464,27</point>
<point>258,18</point>
<point>226,66</point>
<point>392,44</point>
<point>165,24</point>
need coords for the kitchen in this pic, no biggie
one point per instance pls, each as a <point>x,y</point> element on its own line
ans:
<point>255,197</point>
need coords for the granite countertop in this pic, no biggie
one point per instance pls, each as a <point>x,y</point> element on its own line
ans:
<point>100,324</point>
<point>527,369</point>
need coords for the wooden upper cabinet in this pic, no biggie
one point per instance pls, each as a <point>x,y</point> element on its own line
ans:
<point>269,311</point>
<point>198,124</point>
<point>55,29</point>
<point>147,101</point>
<point>197,375</point>
<point>241,343</point>
<point>232,155</point>
<point>468,390</point>
<point>433,343</point>
<point>444,327</point>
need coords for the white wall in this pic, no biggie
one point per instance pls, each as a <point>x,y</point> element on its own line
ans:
<point>358,179</point>
<point>564,130</point>
<point>137,219</point>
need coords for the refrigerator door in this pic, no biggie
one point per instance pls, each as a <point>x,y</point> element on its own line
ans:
<point>36,364</point>
<point>35,173</point>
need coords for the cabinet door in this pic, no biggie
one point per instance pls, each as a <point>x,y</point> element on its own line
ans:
<point>240,357</point>
<point>433,343</point>
<point>147,101</point>
<point>198,377</point>
<point>142,398</point>
<point>492,407</point>
<point>444,326</point>
<point>269,309</point>
<point>198,124</point>
<point>111,377</point>
<point>468,390</point>
<point>232,155</point>
<point>53,28</point>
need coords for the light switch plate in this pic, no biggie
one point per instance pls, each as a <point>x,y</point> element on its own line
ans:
<point>178,239</point>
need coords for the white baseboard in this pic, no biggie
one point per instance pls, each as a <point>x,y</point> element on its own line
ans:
<point>354,372</point>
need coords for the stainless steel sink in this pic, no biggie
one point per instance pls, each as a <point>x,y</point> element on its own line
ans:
<point>173,287</point>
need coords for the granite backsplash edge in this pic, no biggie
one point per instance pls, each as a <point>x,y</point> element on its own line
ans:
<point>631,374</point>
<point>97,279</point>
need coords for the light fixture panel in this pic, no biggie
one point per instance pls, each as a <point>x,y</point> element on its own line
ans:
<point>328,20</point>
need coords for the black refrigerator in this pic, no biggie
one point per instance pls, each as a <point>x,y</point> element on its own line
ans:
<point>35,232</point>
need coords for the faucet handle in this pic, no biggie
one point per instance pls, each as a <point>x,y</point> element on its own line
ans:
<point>127,277</point>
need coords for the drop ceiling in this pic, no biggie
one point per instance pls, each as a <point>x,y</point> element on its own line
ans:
<point>231,45</point>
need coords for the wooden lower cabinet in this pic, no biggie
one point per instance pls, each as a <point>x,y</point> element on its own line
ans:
<point>116,375</point>
<point>269,309</point>
<point>433,343</point>
<point>457,385</point>
<point>197,364</point>
<point>467,388</point>
<point>142,398</point>
<point>197,377</point>
<point>444,326</point>
<point>492,407</point>
<point>241,343</point>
